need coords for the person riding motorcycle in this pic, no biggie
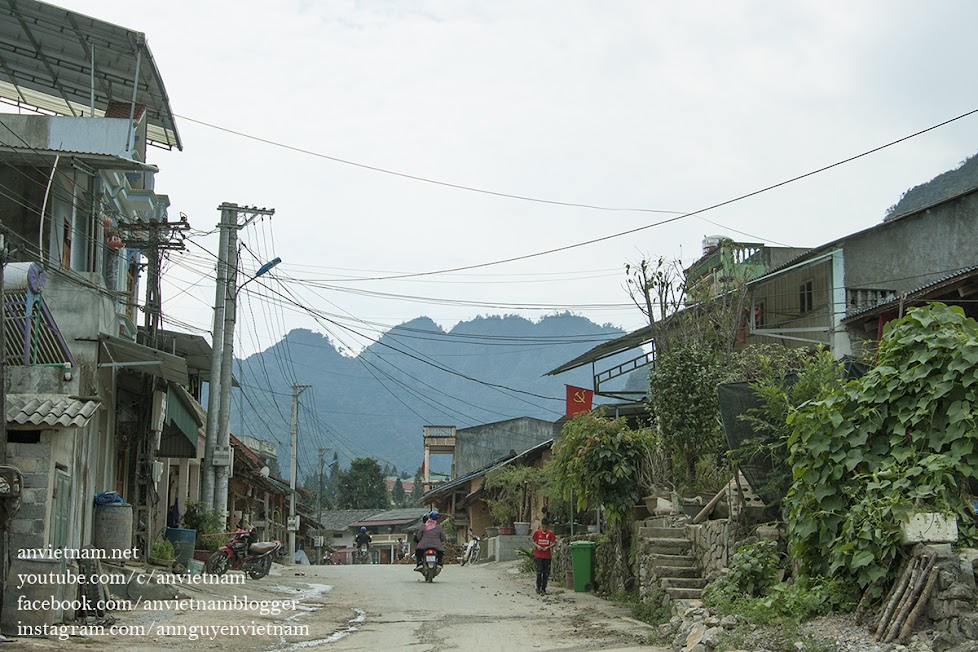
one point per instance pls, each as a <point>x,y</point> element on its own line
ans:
<point>430,537</point>
<point>362,538</point>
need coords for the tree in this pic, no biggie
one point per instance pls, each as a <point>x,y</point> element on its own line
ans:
<point>362,486</point>
<point>397,493</point>
<point>417,490</point>
<point>683,398</point>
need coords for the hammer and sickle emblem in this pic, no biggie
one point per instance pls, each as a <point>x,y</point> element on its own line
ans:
<point>580,397</point>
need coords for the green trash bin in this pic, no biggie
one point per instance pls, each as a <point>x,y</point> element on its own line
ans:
<point>582,563</point>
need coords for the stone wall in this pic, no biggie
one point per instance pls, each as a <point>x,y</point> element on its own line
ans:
<point>27,529</point>
<point>951,607</point>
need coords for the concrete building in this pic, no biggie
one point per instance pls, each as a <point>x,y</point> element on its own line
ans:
<point>93,403</point>
<point>841,293</point>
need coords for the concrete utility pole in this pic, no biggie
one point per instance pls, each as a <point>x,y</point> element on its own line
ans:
<point>296,390</point>
<point>319,505</point>
<point>217,453</point>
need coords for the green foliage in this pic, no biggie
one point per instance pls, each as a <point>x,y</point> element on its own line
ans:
<point>527,565</point>
<point>654,608</point>
<point>201,518</point>
<point>754,569</point>
<point>683,398</point>
<point>599,459</point>
<point>962,178</point>
<point>513,487</point>
<point>901,437</point>
<point>162,549</point>
<point>779,394</point>
<point>362,486</point>
<point>397,493</point>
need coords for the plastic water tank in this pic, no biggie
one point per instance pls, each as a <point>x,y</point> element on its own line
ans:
<point>183,544</point>
<point>113,529</point>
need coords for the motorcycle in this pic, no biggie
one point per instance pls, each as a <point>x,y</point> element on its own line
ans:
<point>240,553</point>
<point>471,551</point>
<point>430,566</point>
<point>363,554</point>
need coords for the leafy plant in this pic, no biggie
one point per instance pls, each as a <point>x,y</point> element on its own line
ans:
<point>683,399</point>
<point>516,485</point>
<point>903,436</point>
<point>527,565</point>
<point>162,549</point>
<point>754,569</point>
<point>654,608</point>
<point>598,459</point>
<point>206,522</point>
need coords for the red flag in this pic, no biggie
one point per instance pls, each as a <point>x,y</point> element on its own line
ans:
<point>578,400</point>
<point>421,472</point>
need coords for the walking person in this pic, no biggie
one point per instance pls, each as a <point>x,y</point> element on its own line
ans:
<point>543,540</point>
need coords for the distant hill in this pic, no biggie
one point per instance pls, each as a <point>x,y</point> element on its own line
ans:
<point>947,184</point>
<point>416,374</point>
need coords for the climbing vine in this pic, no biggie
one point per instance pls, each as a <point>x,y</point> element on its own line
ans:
<point>902,437</point>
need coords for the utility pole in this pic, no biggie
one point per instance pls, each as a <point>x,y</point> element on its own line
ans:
<point>217,453</point>
<point>319,504</point>
<point>3,377</point>
<point>296,390</point>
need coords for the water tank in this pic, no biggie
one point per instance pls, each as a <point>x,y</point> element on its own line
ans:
<point>711,242</point>
<point>32,590</point>
<point>183,544</point>
<point>113,529</point>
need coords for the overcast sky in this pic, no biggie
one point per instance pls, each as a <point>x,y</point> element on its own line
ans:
<point>671,106</point>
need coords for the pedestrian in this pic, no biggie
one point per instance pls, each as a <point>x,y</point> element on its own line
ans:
<point>543,540</point>
<point>401,548</point>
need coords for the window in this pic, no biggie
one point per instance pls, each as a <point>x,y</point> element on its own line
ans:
<point>806,297</point>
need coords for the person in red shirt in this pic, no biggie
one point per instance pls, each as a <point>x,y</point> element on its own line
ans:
<point>543,540</point>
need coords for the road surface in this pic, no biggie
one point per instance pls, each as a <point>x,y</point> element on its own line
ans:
<point>373,607</point>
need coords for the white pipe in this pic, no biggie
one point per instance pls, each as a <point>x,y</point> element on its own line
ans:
<point>44,204</point>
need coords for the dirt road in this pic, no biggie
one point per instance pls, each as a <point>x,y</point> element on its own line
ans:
<point>481,607</point>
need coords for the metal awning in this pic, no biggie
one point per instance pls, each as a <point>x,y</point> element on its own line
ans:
<point>45,157</point>
<point>633,340</point>
<point>184,418</point>
<point>46,56</point>
<point>127,354</point>
<point>47,411</point>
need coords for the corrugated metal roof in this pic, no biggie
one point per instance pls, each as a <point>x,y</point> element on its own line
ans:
<point>918,293</point>
<point>46,63</point>
<point>340,519</point>
<point>42,411</point>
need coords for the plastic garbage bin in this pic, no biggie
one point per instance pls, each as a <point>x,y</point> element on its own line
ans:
<point>582,563</point>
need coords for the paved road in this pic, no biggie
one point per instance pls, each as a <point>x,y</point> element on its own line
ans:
<point>379,608</point>
<point>481,607</point>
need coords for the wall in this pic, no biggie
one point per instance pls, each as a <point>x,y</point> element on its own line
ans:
<point>478,446</point>
<point>67,134</point>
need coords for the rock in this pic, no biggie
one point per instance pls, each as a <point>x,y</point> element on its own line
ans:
<point>695,635</point>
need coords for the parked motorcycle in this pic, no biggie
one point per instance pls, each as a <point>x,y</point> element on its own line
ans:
<point>471,551</point>
<point>430,567</point>
<point>241,553</point>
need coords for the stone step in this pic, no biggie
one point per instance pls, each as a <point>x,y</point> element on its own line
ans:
<point>683,583</point>
<point>669,546</point>
<point>681,561</point>
<point>664,572</point>
<point>684,594</point>
<point>662,532</point>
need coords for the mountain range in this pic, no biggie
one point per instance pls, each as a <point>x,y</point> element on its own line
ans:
<point>376,403</point>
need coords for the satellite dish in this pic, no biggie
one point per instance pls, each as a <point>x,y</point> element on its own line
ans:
<point>265,471</point>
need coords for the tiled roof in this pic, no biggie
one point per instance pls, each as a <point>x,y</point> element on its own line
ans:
<point>50,410</point>
<point>340,519</point>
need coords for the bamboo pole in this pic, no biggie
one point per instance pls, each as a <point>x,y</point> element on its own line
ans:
<point>910,600</point>
<point>920,607</point>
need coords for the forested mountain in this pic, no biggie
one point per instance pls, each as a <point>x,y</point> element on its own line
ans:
<point>416,374</point>
<point>964,177</point>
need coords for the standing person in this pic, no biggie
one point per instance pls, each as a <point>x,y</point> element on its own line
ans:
<point>401,548</point>
<point>543,540</point>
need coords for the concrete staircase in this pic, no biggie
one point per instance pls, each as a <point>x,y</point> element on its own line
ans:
<point>678,571</point>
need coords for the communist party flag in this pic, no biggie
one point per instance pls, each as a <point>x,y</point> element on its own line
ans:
<point>578,400</point>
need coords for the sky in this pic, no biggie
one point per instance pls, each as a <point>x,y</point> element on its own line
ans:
<point>641,105</point>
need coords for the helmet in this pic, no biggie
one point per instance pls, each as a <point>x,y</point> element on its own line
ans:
<point>363,529</point>
<point>433,515</point>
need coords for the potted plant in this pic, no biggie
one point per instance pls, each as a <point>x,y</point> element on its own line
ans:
<point>516,486</point>
<point>654,476</point>
<point>207,524</point>
<point>161,552</point>
<point>501,512</point>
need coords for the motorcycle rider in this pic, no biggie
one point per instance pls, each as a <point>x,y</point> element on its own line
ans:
<point>430,537</point>
<point>362,540</point>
